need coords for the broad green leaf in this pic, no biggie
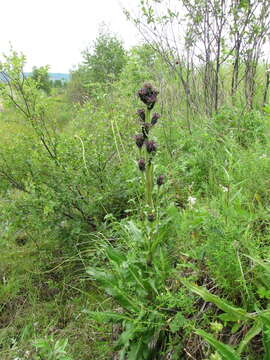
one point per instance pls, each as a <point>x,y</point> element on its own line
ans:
<point>238,313</point>
<point>110,285</point>
<point>226,351</point>
<point>135,232</point>
<point>122,298</point>
<point>126,336</point>
<point>100,275</point>
<point>228,317</point>
<point>115,255</point>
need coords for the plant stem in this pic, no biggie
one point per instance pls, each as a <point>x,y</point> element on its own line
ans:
<point>148,172</point>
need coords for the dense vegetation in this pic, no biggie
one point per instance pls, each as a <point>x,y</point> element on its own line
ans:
<point>134,202</point>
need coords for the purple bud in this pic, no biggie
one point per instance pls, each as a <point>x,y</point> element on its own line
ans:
<point>151,217</point>
<point>139,139</point>
<point>141,114</point>
<point>155,118</point>
<point>148,95</point>
<point>145,129</point>
<point>141,164</point>
<point>160,180</point>
<point>151,146</point>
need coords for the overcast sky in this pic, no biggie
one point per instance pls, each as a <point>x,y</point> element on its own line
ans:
<point>54,32</point>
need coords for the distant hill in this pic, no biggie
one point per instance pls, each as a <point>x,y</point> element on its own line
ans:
<point>59,76</point>
<point>54,76</point>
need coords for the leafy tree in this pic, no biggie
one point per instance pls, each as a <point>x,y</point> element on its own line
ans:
<point>106,58</point>
<point>41,76</point>
<point>77,87</point>
<point>102,64</point>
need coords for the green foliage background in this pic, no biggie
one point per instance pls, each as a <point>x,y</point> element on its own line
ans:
<point>72,234</point>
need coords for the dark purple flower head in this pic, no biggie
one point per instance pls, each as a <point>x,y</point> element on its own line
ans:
<point>139,139</point>
<point>160,180</point>
<point>141,164</point>
<point>155,118</point>
<point>151,217</point>
<point>151,146</point>
<point>141,114</point>
<point>148,95</point>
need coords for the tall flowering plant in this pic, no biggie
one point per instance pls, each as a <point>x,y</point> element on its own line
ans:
<point>147,147</point>
<point>136,278</point>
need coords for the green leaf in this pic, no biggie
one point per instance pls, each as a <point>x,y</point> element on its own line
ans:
<point>266,342</point>
<point>265,317</point>
<point>136,351</point>
<point>126,336</point>
<point>123,299</point>
<point>264,264</point>
<point>135,232</point>
<point>107,317</point>
<point>253,331</point>
<point>101,276</point>
<point>226,351</point>
<point>110,285</point>
<point>228,317</point>
<point>115,256</point>
<point>237,313</point>
<point>177,322</point>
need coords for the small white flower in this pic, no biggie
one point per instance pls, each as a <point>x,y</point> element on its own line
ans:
<point>191,201</point>
<point>263,156</point>
<point>224,188</point>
